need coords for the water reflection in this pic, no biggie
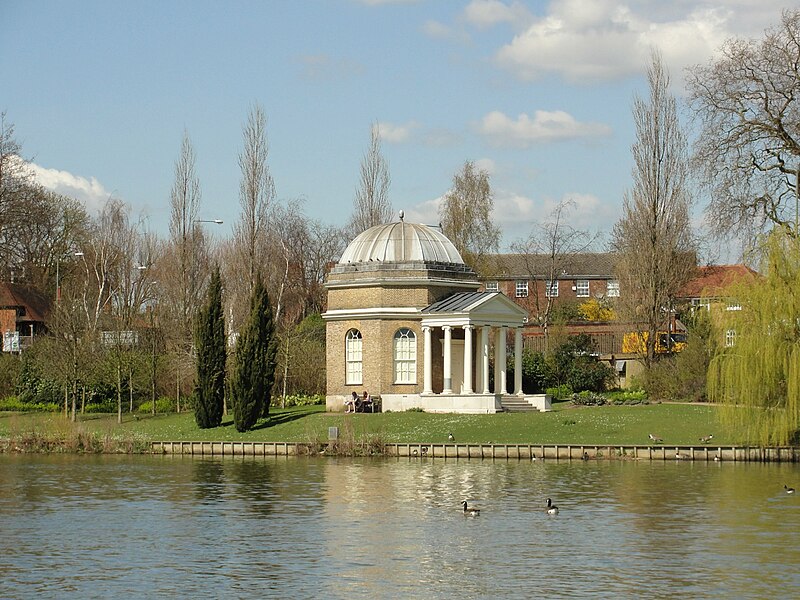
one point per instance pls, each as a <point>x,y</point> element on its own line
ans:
<point>301,528</point>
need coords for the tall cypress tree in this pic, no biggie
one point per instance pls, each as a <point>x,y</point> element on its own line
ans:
<point>254,373</point>
<point>210,345</point>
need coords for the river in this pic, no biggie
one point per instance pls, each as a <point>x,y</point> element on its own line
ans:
<point>181,527</point>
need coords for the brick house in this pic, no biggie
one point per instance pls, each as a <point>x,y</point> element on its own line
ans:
<point>23,315</point>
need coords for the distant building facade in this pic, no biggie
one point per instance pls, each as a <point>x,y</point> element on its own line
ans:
<point>23,315</point>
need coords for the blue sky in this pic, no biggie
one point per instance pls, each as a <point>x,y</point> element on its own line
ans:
<point>537,93</point>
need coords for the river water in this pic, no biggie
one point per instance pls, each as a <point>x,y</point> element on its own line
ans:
<point>181,527</point>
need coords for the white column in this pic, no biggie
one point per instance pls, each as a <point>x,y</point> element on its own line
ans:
<point>467,359</point>
<point>427,376</point>
<point>500,361</point>
<point>448,377</point>
<point>484,387</point>
<point>518,361</point>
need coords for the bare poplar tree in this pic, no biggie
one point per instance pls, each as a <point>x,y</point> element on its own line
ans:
<point>371,205</point>
<point>748,152</point>
<point>653,239</point>
<point>546,253</point>
<point>184,237</point>
<point>466,216</point>
<point>256,192</point>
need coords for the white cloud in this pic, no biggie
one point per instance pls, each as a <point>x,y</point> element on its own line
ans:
<point>487,13</point>
<point>396,134</point>
<point>90,191</point>
<point>545,126</point>
<point>426,212</point>
<point>586,41</point>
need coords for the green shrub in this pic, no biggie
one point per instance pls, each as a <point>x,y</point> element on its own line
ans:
<point>304,400</point>
<point>627,397</point>
<point>559,392</point>
<point>13,403</point>
<point>587,398</point>
<point>163,405</point>
<point>104,406</point>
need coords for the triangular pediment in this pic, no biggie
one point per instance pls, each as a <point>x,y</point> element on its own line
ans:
<point>477,308</point>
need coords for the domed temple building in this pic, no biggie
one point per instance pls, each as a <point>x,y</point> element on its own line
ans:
<point>406,322</point>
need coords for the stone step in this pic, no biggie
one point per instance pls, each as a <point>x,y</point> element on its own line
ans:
<point>517,405</point>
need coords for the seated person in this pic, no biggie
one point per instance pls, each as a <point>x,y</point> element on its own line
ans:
<point>350,403</point>
<point>366,402</point>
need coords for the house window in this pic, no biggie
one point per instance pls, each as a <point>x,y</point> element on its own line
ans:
<point>492,286</point>
<point>353,357</point>
<point>522,289</point>
<point>734,306</point>
<point>612,289</point>
<point>551,289</point>
<point>582,288</point>
<point>405,356</point>
<point>730,338</point>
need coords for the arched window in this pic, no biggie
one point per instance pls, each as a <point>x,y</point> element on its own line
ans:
<point>353,357</point>
<point>405,356</point>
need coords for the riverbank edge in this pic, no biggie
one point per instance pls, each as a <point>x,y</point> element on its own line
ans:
<point>486,451</point>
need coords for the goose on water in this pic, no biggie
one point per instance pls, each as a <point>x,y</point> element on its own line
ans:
<point>470,512</point>
<point>552,509</point>
<point>788,489</point>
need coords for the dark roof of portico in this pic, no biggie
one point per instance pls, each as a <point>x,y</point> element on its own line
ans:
<point>457,302</point>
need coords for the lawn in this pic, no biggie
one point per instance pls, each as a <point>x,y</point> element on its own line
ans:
<point>677,424</point>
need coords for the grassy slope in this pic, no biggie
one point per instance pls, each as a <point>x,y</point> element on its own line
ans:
<point>678,424</point>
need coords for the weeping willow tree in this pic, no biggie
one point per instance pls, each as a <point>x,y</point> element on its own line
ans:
<point>757,375</point>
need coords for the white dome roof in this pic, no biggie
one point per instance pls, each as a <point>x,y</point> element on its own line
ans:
<point>401,242</point>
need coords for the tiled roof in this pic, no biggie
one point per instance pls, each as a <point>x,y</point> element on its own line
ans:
<point>711,281</point>
<point>594,265</point>
<point>36,304</point>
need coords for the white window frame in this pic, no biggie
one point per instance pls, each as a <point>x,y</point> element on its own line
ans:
<point>730,338</point>
<point>521,288</point>
<point>492,286</point>
<point>551,289</point>
<point>354,357</point>
<point>582,288</point>
<point>612,288</point>
<point>405,356</point>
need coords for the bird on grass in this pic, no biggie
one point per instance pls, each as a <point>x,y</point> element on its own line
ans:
<point>552,509</point>
<point>470,512</point>
<point>654,438</point>
<point>788,489</point>
<point>451,437</point>
<point>707,438</point>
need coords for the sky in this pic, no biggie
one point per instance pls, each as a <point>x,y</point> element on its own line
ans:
<point>536,93</point>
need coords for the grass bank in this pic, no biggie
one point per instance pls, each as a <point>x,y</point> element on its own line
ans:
<point>678,424</point>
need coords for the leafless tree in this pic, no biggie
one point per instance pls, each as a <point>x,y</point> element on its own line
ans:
<point>256,193</point>
<point>653,239</point>
<point>547,253</point>
<point>748,152</point>
<point>186,244</point>
<point>16,183</point>
<point>371,205</point>
<point>466,216</point>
